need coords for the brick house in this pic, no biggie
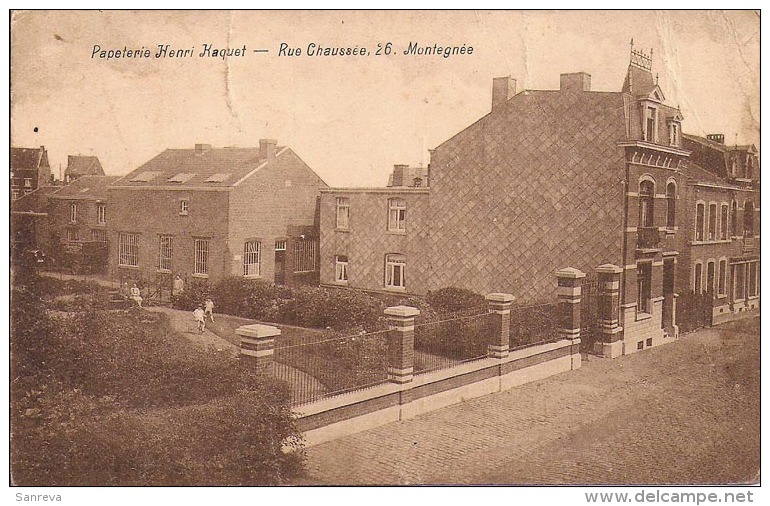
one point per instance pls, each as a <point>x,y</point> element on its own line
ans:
<point>29,170</point>
<point>210,212</point>
<point>720,250</point>
<point>78,166</point>
<point>572,177</point>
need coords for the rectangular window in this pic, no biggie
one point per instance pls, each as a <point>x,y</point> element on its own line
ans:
<point>753,279</point>
<point>304,255</point>
<point>251,251</point>
<point>341,269</point>
<point>710,276</point>
<point>201,257</point>
<point>698,281</point>
<point>712,222</point>
<point>674,134</point>
<point>739,278</point>
<point>128,250</point>
<point>644,283</point>
<point>395,271</point>
<point>649,134</point>
<point>280,245</point>
<point>723,223</point>
<point>73,212</point>
<point>700,221</point>
<point>101,214</point>
<point>99,235</point>
<point>343,213</point>
<point>397,214</point>
<point>27,182</point>
<point>184,207</point>
<point>14,194</point>
<point>165,253</point>
<point>72,235</point>
<point>722,278</point>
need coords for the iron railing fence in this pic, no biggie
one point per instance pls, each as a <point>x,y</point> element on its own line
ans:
<point>533,324</point>
<point>446,343</point>
<point>332,366</point>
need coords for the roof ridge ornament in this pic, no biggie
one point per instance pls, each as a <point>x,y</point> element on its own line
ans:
<point>640,59</point>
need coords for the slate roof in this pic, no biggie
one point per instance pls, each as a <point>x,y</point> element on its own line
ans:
<point>26,158</point>
<point>638,81</point>
<point>35,201</point>
<point>86,187</point>
<point>78,165</point>
<point>701,175</point>
<point>210,168</point>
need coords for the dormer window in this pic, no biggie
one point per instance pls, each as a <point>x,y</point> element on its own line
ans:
<point>650,124</point>
<point>673,134</point>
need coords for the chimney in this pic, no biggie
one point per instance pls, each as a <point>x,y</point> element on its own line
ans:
<point>720,138</point>
<point>398,174</point>
<point>578,81</point>
<point>201,148</point>
<point>267,148</point>
<point>503,89</point>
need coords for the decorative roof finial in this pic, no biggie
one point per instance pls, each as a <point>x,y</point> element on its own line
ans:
<point>656,78</point>
<point>640,59</point>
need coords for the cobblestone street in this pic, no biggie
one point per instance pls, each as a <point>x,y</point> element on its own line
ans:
<point>684,413</point>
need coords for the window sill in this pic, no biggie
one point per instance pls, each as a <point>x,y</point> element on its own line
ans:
<point>341,283</point>
<point>344,230</point>
<point>396,232</point>
<point>643,316</point>
<point>253,276</point>
<point>200,276</point>
<point>128,266</point>
<point>101,224</point>
<point>183,214</point>
<point>163,271</point>
<point>710,241</point>
<point>395,288</point>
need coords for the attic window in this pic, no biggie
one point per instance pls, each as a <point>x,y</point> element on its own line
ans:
<point>182,177</point>
<point>144,177</point>
<point>218,177</point>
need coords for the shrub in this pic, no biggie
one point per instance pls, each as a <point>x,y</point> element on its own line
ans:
<point>194,293</point>
<point>452,300</point>
<point>332,308</point>
<point>247,298</point>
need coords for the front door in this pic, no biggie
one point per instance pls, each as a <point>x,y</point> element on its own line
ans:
<point>280,263</point>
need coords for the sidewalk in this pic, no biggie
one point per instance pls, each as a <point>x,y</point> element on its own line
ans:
<point>686,413</point>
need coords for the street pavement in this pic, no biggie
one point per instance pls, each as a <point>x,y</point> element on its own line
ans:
<point>683,413</point>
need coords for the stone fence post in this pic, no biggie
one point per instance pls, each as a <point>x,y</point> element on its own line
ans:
<point>499,305</point>
<point>257,345</point>
<point>570,281</point>
<point>401,343</point>
<point>611,345</point>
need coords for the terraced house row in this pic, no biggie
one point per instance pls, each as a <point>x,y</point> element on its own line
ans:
<point>602,181</point>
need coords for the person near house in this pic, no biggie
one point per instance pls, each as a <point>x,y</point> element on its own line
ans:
<point>200,318</point>
<point>178,286</point>
<point>136,295</point>
<point>208,304</point>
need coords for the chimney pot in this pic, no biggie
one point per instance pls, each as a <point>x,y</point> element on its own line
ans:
<point>267,148</point>
<point>202,148</point>
<point>577,81</point>
<point>503,89</point>
<point>720,138</point>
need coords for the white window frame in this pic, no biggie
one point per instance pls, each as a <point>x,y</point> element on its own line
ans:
<point>27,182</point>
<point>395,263</point>
<point>14,194</point>
<point>712,227</point>
<point>184,207</point>
<point>342,213</point>
<point>73,212</point>
<point>73,235</point>
<point>165,252</point>
<point>341,264</point>
<point>280,245</point>
<point>201,257</point>
<point>98,235</point>
<point>252,257</point>
<point>697,268</point>
<point>674,129</point>
<point>128,249</point>
<point>397,215</point>
<point>650,110</point>
<point>101,214</point>
<point>702,228</point>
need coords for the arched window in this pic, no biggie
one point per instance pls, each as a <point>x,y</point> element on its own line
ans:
<point>646,203</point>
<point>671,205</point>
<point>698,278</point>
<point>710,276</point>
<point>748,219</point>
<point>749,167</point>
<point>700,221</point>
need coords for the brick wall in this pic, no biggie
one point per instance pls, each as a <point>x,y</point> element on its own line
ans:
<point>530,188</point>
<point>368,240</point>
<point>155,212</point>
<point>59,218</point>
<point>277,201</point>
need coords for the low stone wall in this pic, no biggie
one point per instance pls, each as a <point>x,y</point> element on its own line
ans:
<point>358,411</point>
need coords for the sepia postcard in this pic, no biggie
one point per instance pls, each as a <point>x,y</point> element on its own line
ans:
<point>313,248</point>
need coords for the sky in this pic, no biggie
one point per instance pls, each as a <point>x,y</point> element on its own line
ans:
<point>349,118</point>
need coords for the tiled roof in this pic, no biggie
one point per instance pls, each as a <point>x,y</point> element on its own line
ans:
<point>212,167</point>
<point>92,187</point>
<point>78,165</point>
<point>701,175</point>
<point>25,158</point>
<point>706,142</point>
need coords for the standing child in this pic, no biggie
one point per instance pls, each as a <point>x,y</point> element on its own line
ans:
<point>208,304</point>
<point>200,319</point>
